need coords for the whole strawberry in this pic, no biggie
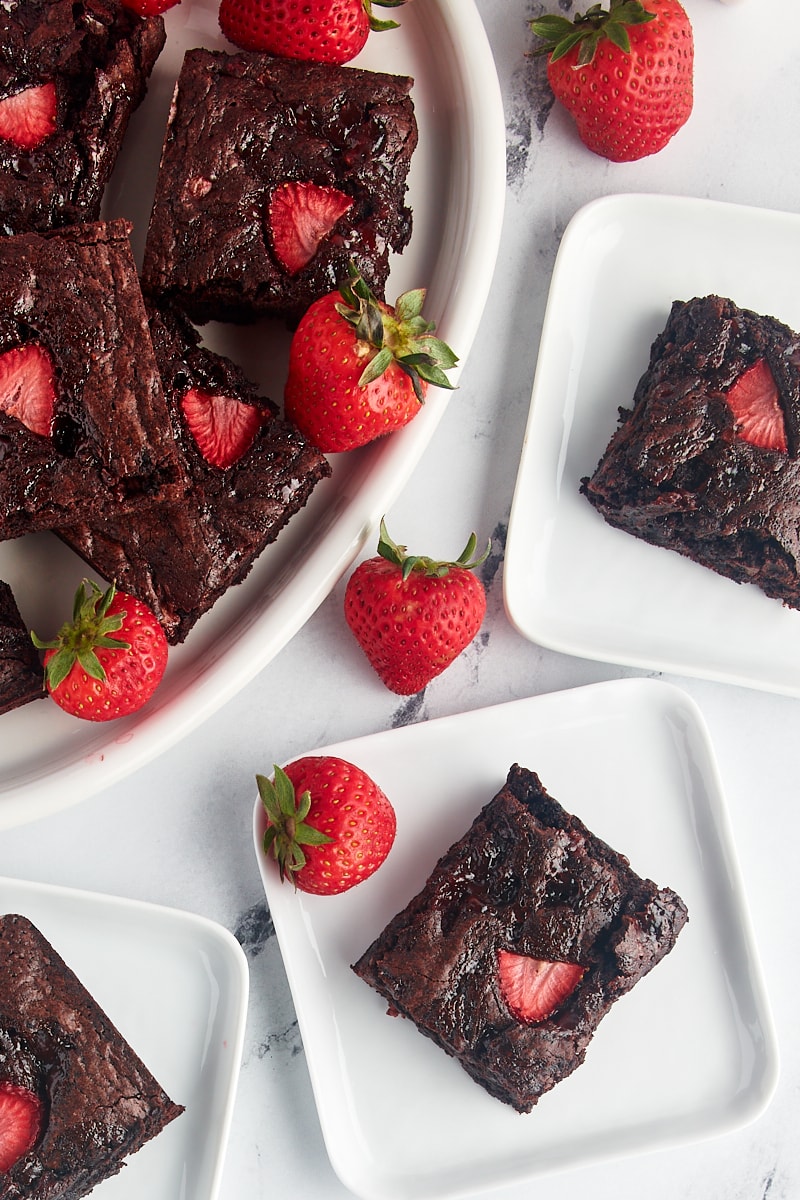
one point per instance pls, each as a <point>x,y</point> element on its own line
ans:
<point>413,616</point>
<point>329,826</point>
<point>332,31</point>
<point>360,368</point>
<point>625,75</point>
<point>109,659</point>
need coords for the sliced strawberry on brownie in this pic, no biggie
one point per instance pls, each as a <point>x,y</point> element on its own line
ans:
<point>149,8</point>
<point>28,117</point>
<point>301,216</point>
<point>753,400</point>
<point>83,417</point>
<point>71,75</point>
<point>27,387</point>
<point>76,1100</point>
<point>20,1123</point>
<point>534,988</point>
<point>180,557</point>
<point>313,189</point>
<point>705,462</point>
<point>223,427</point>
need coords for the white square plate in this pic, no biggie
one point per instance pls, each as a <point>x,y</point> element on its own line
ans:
<point>571,581</point>
<point>688,1053</point>
<point>176,987</point>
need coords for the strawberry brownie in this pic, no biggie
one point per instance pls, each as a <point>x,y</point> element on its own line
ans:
<point>526,933</point>
<point>75,1098</point>
<point>274,174</point>
<point>706,462</point>
<point>83,419</point>
<point>21,674</point>
<point>70,77</point>
<point>246,472</point>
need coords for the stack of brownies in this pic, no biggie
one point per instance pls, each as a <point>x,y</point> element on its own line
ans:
<point>151,456</point>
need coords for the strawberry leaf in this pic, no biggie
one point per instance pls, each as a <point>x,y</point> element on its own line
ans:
<point>399,334</point>
<point>408,306</point>
<point>90,663</point>
<point>380,26</point>
<point>77,639</point>
<point>306,835</point>
<point>398,555</point>
<point>618,34</point>
<point>287,830</point>
<point>376,366</point>
<point>587,31</point>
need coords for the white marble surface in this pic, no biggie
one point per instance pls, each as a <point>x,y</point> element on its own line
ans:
<point>178,831</point>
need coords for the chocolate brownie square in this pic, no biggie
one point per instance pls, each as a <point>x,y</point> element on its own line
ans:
<point>527,893</point>
<point>180,557</point>
<point>707,460</point>
<point>90,63</point>
<point>21,674</point>
<point>83,420</point>
<point>243,127</point>
<point>97,1102</point>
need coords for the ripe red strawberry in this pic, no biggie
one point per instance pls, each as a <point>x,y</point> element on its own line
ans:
<point>301,215</point>
<point>223,427</point>
<point>625,75</point>
<point>109,659</point>
<point>332,31</point>
<point>329,825</point>
<point>360,368</point>
<point>20,1123</point>
<point>27,387</point>
<point>29,116</point>
<point>533,988</point>
<point>753,400</point>
<point>412,616</point>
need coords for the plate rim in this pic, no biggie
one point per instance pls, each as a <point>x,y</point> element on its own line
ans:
<point>28,792</point>
<point>204,932</point>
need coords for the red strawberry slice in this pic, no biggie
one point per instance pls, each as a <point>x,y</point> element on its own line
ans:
<point>20,1123</point>
<point>27,388</point>
<point>753,400</point>
<point>149,8</point>
<point>533,988</point>
<point>29,116</point>
<point>223,427</point>
<point>301,215</point>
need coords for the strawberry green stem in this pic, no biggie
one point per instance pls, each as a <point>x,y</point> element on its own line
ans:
<point>288,830</point>
<point>377,24</point>
<point>403,336</point>
<point>78,639</point>
<point>399,556</point>
<point>587,31</point>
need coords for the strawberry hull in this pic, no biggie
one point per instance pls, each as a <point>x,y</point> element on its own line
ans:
<point>82,408</point>
<point>71,76</point>
<point>179,556</point>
